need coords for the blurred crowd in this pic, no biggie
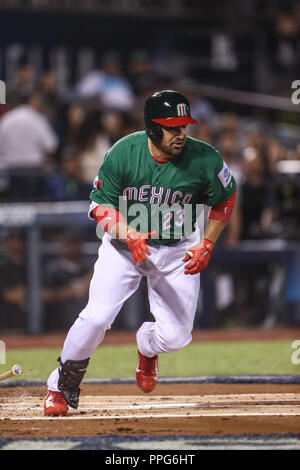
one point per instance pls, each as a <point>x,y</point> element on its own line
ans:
<point>283,46</point>
<point>51,148</point>
<point>64,284</point>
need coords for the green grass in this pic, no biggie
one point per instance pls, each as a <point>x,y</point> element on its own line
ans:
<point>195,360</point>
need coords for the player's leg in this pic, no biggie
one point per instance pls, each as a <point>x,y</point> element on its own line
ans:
<point>173,298</point>
<point>114,280</point>
<point>173,302</point>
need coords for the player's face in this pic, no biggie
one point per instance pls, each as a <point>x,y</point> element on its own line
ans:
<point>173,140</point>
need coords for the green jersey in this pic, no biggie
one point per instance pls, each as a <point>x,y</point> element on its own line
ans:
<point>164,197</point>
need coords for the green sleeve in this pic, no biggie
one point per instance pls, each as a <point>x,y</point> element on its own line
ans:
<point>107,186</point>
<point>220,185</point>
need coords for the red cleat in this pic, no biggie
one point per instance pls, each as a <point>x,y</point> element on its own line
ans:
<point>55,404</point>
<point>146,372</point>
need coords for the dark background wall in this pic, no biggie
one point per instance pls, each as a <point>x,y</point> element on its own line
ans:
<point>213,54</point>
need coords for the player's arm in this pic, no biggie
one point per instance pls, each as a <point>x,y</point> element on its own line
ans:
<point>113,222</point>
<point>105,195</point>
<point>200,254</point>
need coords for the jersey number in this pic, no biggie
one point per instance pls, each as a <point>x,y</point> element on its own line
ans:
<point>167,218</point>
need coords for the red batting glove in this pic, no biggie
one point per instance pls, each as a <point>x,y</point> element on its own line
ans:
<point>136,242</point>
<point>200,255</point>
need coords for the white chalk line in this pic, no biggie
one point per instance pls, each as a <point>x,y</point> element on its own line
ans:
<point>90,405</point>
<point>117,398</point>
<point>127,407</point>
<point>101,406</point>
<point>147,416</point>
<point>87,404</point>
<point>237,398</point>
<point>120,405</point>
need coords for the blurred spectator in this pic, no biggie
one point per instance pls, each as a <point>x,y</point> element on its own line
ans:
<point>256,200</point>
<point>109,83</point>
<point>201,108</point>
<point>66,284</point>
<point>141,75</point>
<point>67,184</point>
<point>70,117</point>
<point>297,156</point>
<point>203,131</point>
<point>92,142</point>
<point>233,124</point>
<point>252,219</point>
<point>117,124</point>
<point>27,143</point>
<point>13,301</point>
<point>22,85</point>
<point>227,145</point>
<point>256,136</point>
<point>286,53</point>
<point>50,98</point>
<point>274,152</point>
<point>287,183</point>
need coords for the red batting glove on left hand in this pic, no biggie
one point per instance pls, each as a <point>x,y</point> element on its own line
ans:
<point>136,242</point>
<point>199,255</point>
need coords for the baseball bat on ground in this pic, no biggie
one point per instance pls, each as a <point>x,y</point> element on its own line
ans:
<point>15,370</point>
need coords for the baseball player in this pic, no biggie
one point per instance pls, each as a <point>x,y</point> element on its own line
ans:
<point>160,171</point>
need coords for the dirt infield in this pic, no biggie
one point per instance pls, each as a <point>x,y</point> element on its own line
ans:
<point>170,411</point>
<point>191,409</point>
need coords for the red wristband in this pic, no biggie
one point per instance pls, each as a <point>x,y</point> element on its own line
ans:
<point>224,210</point>
<point>107,217</point>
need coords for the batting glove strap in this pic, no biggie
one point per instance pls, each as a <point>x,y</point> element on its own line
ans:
<point>200,255</point>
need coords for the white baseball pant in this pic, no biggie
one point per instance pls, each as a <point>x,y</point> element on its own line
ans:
<point>173,298</point>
